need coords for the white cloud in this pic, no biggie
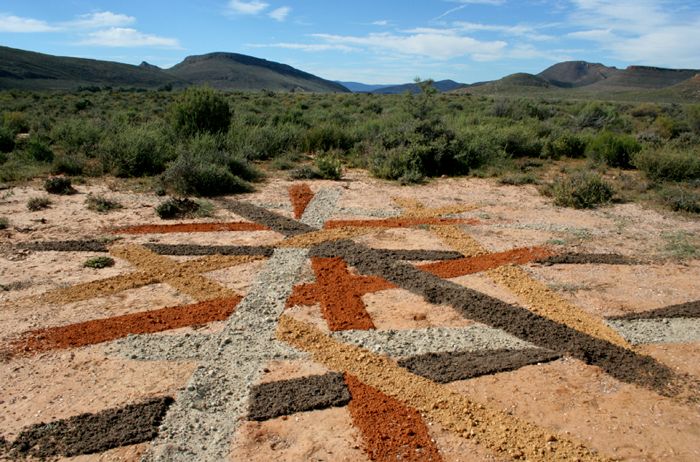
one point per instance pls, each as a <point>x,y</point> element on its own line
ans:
<point>251,8</point>
<point>280,14</point>
<point>17,24</point>
<point>466,3</point>
<point>101,19</point>
<point>308,47</point>
<point>127,37</point>
<point>521,30</point>
<point>381,23</point>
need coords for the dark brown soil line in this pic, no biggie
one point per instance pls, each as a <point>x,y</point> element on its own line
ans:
<point>588,258</point>
<point>622,364</point>
<point>399,222</point>
<point>340,294</point>
<point>419,255</point>
<point>65,246</point>
<point>200,250</point>
<point>390,430</point>
<point>271,220</point>
<point>286,397</point>
<point>190,228</point>
<point>105,330</point>
<point>462,365</point>
<point>683,310</point>
<point>92,433</point>
<point>470,265</point>
<point>300,195</point>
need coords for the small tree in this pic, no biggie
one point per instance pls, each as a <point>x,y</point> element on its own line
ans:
<point>201,110</point>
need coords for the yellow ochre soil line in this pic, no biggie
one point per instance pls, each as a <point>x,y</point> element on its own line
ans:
<point>502,433</point>
<point>319,237</point>
<point>414,209</point>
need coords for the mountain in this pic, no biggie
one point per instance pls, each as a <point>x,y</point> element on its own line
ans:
<point>29,70</point>
<point>357,87</point>
<point>441,86</point>
<point>233,71</point>
<point>645,77</point>
<point>230,71</point>
<point>572,74</point>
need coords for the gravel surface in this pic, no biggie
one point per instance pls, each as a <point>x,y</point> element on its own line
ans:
<point>671,330</point>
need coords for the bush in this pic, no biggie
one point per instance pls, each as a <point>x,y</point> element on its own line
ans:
<point>613,150</point>
<point>520,141</point>
<point>669,165</point>
<point>582,190</point>
<point>101,204</point>
<point>7,140</point>
<point>693,113</point>
<point>98,262</point>
<point>68,164</point>
<point>681,199</point>
<point>329,166</point>
<point>191,176</point>
<point>39,150</point>
<point>135,151</point>
<point>76,136</point>
<point>38,203</point>
<point>201,110</point>
<point>598,116</point>
<point>182,208</point>
<point>58,185</point>
<point>325,138</point>
<point>305,172</point>
<point>567,145</point>
<point>16,122</point>
<point>4,223</point>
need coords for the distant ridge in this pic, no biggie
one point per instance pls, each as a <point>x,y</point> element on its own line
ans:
<point>442,86</point>
<point>571,74</point>
<point>357,87</point>
<point>230,71</point>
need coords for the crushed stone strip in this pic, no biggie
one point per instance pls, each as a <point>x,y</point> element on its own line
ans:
<point>658,330</point>
<point>65,246</point>
<point>286,397</point>
<point>190,228</point>
<point>462,365</point>
<point>361,212</point>
<point>187,347</point>
<point>321,209</point>
<point>196,250</point>
<point>682,310</point>
<point>589,258</point>
<point>496,430</point>
<point>407,343</point>
<point>271,220</point>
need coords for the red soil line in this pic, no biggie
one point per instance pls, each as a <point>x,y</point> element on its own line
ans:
<point>390,430</point>
<point>463,266</point>
<point>399,222</point>
<point>300,195</point>
<point>191,228</point>
<point>340,294</point>
<point>105,330</point>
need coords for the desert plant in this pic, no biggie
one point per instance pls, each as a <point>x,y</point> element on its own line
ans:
<point>581,190</point>
<point>7,140</point>
<point>135,151</point>
<point>567,145</point>
<point>98,262</point>
<point>4,223</point>
<point>613,149</point>
<point>669,164</point>
<point>58,185</point>
<point>16,122</point>
<point>100,204</point>
<point>183,208</point>
<point>77,135</point>
<point>201,110</point>
<point>38,203</point>
<point>39,150</point>
<point>681,199</point>
<point>329,166</point>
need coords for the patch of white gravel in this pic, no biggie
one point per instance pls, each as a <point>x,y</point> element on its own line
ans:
<point>664,330</point>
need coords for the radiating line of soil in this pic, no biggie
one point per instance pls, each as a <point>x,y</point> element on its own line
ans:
<point>190,228</point>
<point>462,365</point>
<point>457,239</point>
<point>65,246</point>
<point>271,220</point>
<point>92,433</point>
<point>505,434</point>
<point>588,258</point>
<point>399,222</point>
<point>619,362</point>
<point>418,255</point>
<point>286,397</point>
<point>390,430</point>
<point>682,310</point>
<point>340,294</point>
<point>454,268</point>
<point>306,240</point>
<point>300,195</point>
<point>105,330</point>
<point>192,249</point>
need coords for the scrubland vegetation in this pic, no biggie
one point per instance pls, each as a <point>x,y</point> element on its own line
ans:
<point>200,142</point>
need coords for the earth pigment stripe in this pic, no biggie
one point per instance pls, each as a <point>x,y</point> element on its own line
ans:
<point>588,258</point>
<point>191,249</point>
<point>682,310</point>
<point>415,209</point>
<point>390,430</point>
<point>502,433</point>
<point>318,237</point>
<point>300,195</point>
<point>454,268</point>
<point>65,246</point>
<point>457,239</point>
<point>190,228</point>
<point>399,222</point>
<point>619,362</point>
<point>462,365</point>
<point>92,433</point>
<point>418,255</point>
<point>286,397</point>
<point>659,330</point>
<point>105,330</point>
<point>270,220</point>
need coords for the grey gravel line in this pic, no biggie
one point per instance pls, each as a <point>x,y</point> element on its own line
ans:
<point>669,330</point>
<point>153,347</point>
<point>321,208</point>
<point>374,213</point>
<point>405,343</point>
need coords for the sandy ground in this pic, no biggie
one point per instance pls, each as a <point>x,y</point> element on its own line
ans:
<point>566,396</point>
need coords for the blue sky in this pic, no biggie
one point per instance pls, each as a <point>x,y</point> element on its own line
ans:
<point>380,41</point>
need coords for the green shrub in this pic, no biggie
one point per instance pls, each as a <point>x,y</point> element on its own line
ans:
<point>16,122</point>
<point>520,141</point>
<point>135,151</point>
<point>68,164</point>
<point>582,190</point>
<point>693,114</point>
<point>4,223</point>
<point>305,172</point>
<point>3,158</point>
<point>681,199</point>
<point>329,166</point>
<point>98,262</point>
<point>669,164</point>
<point>39,150</point>
<point>38,203</point>
<point>183,208</point>
<point>597,115</point>
<point>567,145</point>
<point>325,138</point>
<point>7,140</point>
<point>191,176</point>
<point>101,204</point>
<point>518,179</point>
<point>77,136</point>
<point>201,110</point>
<point>58,185</point>
<point>613,149</point>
